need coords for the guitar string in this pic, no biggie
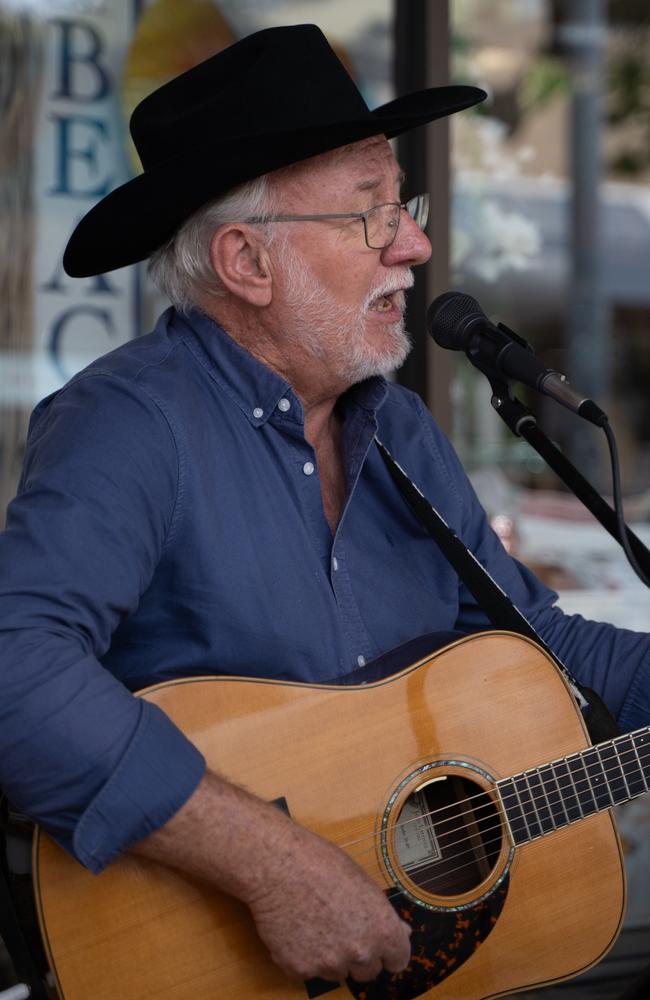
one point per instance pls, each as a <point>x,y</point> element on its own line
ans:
<point>534,797</point>
<point>438,883</point>
<point>432,863</point>
<point>440,861</point>
<point>532,813</point>
<point>425,864</point>
<point>538,798</point>
<point>633,752</point>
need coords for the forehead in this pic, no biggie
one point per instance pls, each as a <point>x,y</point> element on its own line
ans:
<point>367,165</point>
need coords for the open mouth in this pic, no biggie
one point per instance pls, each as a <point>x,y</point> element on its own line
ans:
<point>383,304</point>
<point>388,301</point>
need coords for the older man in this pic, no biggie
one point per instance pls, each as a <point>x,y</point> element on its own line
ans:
<point>208,499</point>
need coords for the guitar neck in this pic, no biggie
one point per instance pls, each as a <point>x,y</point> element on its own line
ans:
<point>567,790</point>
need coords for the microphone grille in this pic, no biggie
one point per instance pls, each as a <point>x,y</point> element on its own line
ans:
<point>446,313</point>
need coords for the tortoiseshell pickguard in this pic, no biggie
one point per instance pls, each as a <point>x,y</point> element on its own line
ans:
<point>441,943</point>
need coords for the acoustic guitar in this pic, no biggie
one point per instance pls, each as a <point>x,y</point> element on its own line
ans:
<point>465,785</point>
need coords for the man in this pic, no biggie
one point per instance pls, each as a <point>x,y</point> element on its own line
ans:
<point>209,499</point>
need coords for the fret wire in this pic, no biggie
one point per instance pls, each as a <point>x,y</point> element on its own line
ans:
<point>504,810</point>
<point>636,754</point>
<point>521,805</point>
<point>633,775</point>
<point>521,790</point>
<point>578,759</point>
<point>545,794</point>
<point>564,789</point>
<point>558,791</point>
<point>607,786</point>
<point>515,822</point>
<point>604,778</point>
<point>598,779</point>
<point>531,792</point>
<point>620,764</point>
<point>606,767</point>
<point>573,785</point>
<point>641,746</point>
<point>633,764</point>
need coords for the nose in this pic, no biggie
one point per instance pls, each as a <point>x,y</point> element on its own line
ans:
<point>411,246</point>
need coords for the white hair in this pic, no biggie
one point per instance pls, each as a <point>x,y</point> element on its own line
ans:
<point>181,268</point>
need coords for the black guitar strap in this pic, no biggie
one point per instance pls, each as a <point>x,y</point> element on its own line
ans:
<point>490,597</point>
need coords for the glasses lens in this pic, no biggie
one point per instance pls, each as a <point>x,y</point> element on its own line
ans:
<point>418,209</point>
<point>381,226</point>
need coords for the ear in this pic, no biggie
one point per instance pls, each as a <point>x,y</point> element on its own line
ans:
<point>242,263</point>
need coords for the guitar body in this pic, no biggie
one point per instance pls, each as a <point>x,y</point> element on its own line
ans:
<point>344,762</point>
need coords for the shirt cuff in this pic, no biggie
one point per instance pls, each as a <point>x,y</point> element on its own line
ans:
<point>155,777</point>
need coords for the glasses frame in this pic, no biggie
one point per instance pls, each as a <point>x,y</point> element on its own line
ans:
<point>417,207</point>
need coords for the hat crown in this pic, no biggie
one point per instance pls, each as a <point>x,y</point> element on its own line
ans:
<point>252,80</point>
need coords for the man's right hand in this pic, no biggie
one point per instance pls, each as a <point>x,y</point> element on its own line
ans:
<point>321,915</point>
<point>317,912</point>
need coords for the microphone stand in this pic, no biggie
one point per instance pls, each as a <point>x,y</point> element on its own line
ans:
<point>523,424</point>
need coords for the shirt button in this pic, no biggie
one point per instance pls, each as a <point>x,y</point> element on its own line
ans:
<point>308,468</point>
<point>258,412</point>
<point>361,660</point>
<point>335,564</point>
<point>284,405</point>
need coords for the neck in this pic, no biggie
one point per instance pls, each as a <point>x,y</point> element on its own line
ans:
<point>312,383</point>
<point>309,378</point>
<point>572,788</point>
<point>322,423</point>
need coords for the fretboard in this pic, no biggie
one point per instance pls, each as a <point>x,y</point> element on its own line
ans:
<point>549,797</point>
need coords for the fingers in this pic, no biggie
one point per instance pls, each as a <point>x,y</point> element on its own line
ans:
<point>363,972</point>
<point>394,958</point>
<point>362,966</point>
<point>323,916</point>
<point>398,951</point>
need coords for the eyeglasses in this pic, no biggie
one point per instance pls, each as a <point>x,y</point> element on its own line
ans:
<point>380,224</point>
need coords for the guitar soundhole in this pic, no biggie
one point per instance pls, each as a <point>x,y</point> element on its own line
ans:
<point>448,836</point>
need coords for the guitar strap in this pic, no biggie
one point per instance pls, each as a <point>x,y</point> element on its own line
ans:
<point>490,597</point>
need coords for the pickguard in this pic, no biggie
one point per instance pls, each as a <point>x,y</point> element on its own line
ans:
<point>441,942</point>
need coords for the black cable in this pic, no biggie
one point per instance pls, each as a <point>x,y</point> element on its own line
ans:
<point>618,504</point>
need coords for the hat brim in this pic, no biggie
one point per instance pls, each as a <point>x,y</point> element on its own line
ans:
<point>152,206</point>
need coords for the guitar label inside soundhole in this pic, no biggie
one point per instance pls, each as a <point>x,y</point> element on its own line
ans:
<point>415,836</point>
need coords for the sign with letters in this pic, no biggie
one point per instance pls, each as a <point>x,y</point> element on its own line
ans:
<point>80,156</point>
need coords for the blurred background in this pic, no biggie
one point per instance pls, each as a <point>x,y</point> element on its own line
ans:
<point>540,209</point>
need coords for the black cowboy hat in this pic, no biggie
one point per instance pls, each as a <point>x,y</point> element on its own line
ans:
<point>276,97</point>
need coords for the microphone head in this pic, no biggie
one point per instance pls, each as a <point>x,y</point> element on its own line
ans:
<point>446,319</point>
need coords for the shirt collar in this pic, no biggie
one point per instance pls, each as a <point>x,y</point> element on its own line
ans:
<point>254,387</point>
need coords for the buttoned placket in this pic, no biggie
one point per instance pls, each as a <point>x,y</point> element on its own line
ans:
<point>358,432</point>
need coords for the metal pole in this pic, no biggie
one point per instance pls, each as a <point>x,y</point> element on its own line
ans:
<point>588,363</point>
<point>422,60</point>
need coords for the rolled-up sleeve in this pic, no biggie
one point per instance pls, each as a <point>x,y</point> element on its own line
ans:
<point>98,768</point>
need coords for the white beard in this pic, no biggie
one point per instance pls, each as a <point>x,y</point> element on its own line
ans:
<point>334,333</point>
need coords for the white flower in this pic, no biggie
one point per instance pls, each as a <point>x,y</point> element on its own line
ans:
<point>490,240</point>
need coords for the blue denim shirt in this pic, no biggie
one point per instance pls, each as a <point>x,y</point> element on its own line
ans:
<point>169,522</point>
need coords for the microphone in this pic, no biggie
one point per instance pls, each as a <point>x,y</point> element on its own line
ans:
<point>457,323</point>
